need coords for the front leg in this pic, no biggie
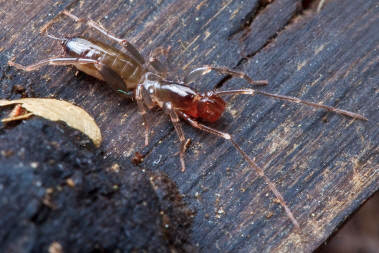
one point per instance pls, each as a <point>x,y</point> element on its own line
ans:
<point>168,108</point>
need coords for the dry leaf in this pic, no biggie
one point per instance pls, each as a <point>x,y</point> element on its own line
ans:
<point>17,118</point>
<point>58,110</point>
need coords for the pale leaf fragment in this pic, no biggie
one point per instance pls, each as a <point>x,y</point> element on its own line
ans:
<point>17,118</point>
<point>58,110</point>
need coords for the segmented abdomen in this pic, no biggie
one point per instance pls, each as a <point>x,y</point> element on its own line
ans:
<point>121,64</point>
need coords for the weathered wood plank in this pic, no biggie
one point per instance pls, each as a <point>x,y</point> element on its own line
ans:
<point>324,164</point>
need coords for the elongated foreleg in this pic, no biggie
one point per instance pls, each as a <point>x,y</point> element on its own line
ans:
<point>258,170</point>
<point>293,100</point>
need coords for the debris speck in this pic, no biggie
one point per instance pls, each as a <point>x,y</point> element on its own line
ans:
<point>70,182</point>
<point>55,247</point>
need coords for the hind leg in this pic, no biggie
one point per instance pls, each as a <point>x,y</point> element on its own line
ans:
<point>126,44</point>
<point>53,61</point>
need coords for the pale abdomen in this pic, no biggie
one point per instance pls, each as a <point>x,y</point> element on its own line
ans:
<point>116,62</point>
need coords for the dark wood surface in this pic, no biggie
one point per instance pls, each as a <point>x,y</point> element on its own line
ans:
<point>324,164</point>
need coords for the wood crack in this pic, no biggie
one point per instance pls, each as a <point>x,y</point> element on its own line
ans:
<point>250,17</point>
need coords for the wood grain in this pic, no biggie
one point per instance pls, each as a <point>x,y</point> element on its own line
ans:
<point>325,165</point>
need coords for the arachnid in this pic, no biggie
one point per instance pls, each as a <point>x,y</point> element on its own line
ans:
<point>147,83</point>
